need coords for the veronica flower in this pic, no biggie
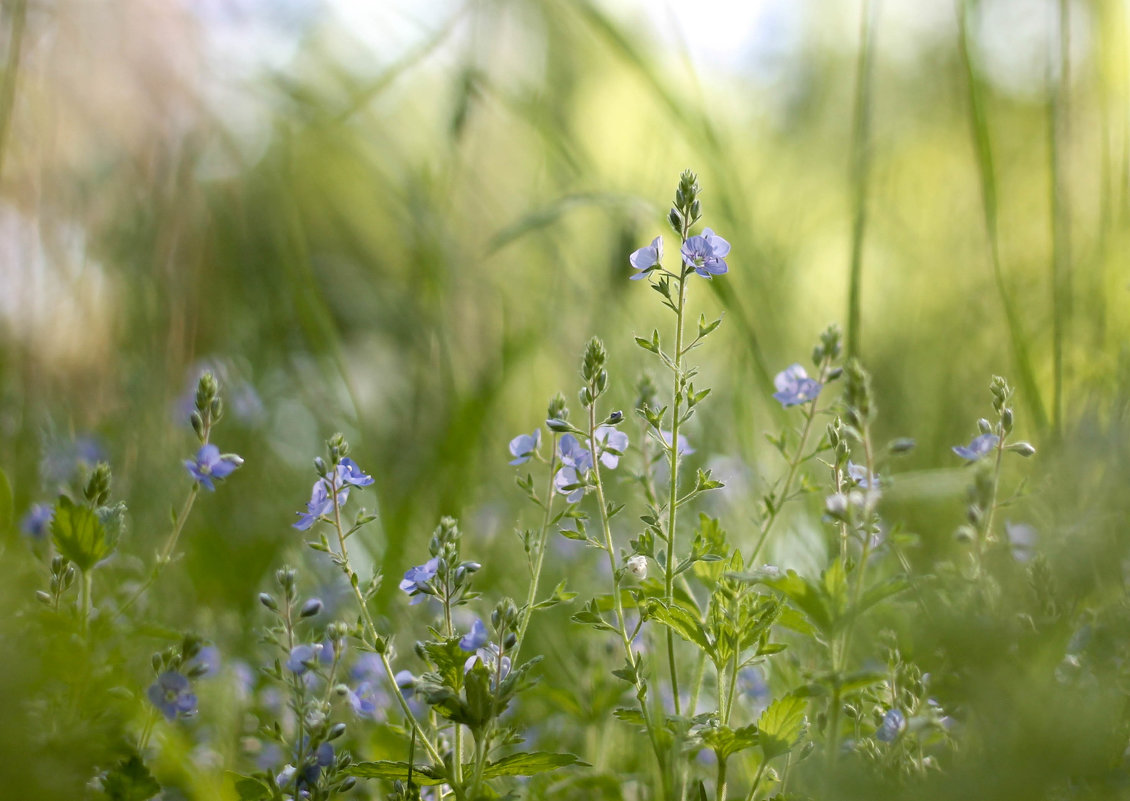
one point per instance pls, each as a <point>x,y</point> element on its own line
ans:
<point>794,387</point>
<point>368,700</point>
<point>646,258</point>
<point>319,505</point>
<point>488,655</point>
<point>705,253</point>
<point>894,722</point>
<point>173,695</point>
<point>37,520</point>
<point>576,461</point>
<point>349,473</point>
<point>210,464</point>
<point>980,446</point>
<point>858,474</point>
<point>416,579</point>
<point>476,639</point>
<point>522,447</point>
<point>302,658</point>
<point>611,443</point>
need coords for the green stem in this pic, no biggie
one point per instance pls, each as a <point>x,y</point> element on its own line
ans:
<point>861,157</point>
<point>720,790</point>
<point>165,554</point>
<point>535,577</point>
<point>618,604</point>
<point>673,496</point>
<point>757,779</point>
<point>87,599</point>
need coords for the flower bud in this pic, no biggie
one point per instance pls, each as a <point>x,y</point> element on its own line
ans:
<point>311,608</point>
<point>336,731</point>
<point>637,566</point>
<point>348,784</point>
<point>1025,449</point>
<point>43,597</point>
<point>984,426</point>
<point>268,601</point>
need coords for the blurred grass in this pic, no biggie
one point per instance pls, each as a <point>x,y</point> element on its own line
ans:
<point>414,246</point>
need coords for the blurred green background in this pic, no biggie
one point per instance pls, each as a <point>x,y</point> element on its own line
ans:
<point>403,221</point>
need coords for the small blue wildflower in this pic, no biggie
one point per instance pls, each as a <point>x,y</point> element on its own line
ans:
<point>685,448</point>
<point>37,520</point>
<point>794,387</point>
<point>705,254</point>
<point>612,442</point>
<point>368,667</point>
<point>567,482</point>
<point>476,639</point>
<point>210,464</point>
<point>416,579</point>
<point>894,722</point>
<point>323,758</point>
<point>646,258</point>
<point>488,656</point>
<point>858,474</point>
<point>302,658</point>
<point>406,682</point>
<point>173,695</point>
<point>206,662</point>
<point>573,455</point>
<point>980,446</point>
<point>1022,539</point>
<point>349,473</point>
<point>368,700</point>
<point>522,447</point>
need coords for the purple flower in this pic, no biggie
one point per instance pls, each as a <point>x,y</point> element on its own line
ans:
<point>210,464</point>
<point>980,446</point>
<point>349,473</point>
<point>611,442</point>
<point>37,520</point>
<point>319,504</point>
<point>406,682</point>
<point>684,447</point>
<point>173,695</point>
<point>368,700</point>
<point>794,387</point>
<point>706,253</point>
<point>416,579</point>
<point>894,722</point>
<point>646,258</point>
<point>568,483</point>
<point>476,639</point>
<point>858,474</point>
<point>522,447</point>
<point>302,658</point>
<point>576,461</point>
<point>206,662</point>
<point>488,656</point>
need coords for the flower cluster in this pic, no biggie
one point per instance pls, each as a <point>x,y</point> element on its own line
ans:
<point>321,504</point>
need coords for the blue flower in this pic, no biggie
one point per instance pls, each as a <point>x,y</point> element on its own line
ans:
<point>568,483</point>
<point>368,700</point>
<point>173,695</point>
<point>794,387</point>
<point>646,258</point>
<point>302,658</point>
<point>488,656</point>
<point>980,446</point>
<point>685,448</point>
<point>319,504</point>
<point>576,461</point>
<point>406,682</point>
<point>349,473</point>
<point>37,520</point>
<point>210,464</point>
<point>476,639</point>
<point>894,722</point>
<point>522,447</point>
<point>706,253</point>
<point>416,579</point>
<point>858,474</point>
<point>612,443</point>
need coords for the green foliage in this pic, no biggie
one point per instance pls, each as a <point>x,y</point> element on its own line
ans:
<point>80,535</point>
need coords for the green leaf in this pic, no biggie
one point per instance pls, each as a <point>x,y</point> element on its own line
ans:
<point>881,591</point>
<point>529,764</point>
<point>423,775</point>
<point>629,715</point>
<point>250,789</point>
<point>682,622</point>
<point>79,534</point>
<point>780,725</point>
<point>130,780</point>
<point>726,741</point>
<point>448,659</point>
<point>811,599</point>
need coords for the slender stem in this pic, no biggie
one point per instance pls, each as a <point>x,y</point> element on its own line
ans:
<point>87,599</point>
<point>1057,111</point>
<point>720,790</point>
<point>535,577</point>
<point>757,779</point>
<point>371,630</point>
<point>618,604</point>
<point>790,476</point>
<point>165,553</point>
<point>861,157</point>
<point>673,496</point>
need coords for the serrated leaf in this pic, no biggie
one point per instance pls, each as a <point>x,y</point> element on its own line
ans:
<point>130,780</point>
<point>682,622</point>
<point>811,599</point>
<point>629,715</point>
<point>531,763</point>
<point>79,534</point>
<point>780,725</point>
<point>423,775</point>
<point>881,591</point>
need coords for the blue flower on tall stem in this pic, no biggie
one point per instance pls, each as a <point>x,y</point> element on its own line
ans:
<point>302,658</point>
<point>979,447</point>
<point>210,464</point>
<point>476,639</point>
<point>417,579</point>
<point>172,694</point>
<point>645,259</point>
<point>611,442</point>
<point>522,447</point>
<point>894,722</point>
<point>794,387</point>
<point>321,503</point>
<point>706,254</point>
